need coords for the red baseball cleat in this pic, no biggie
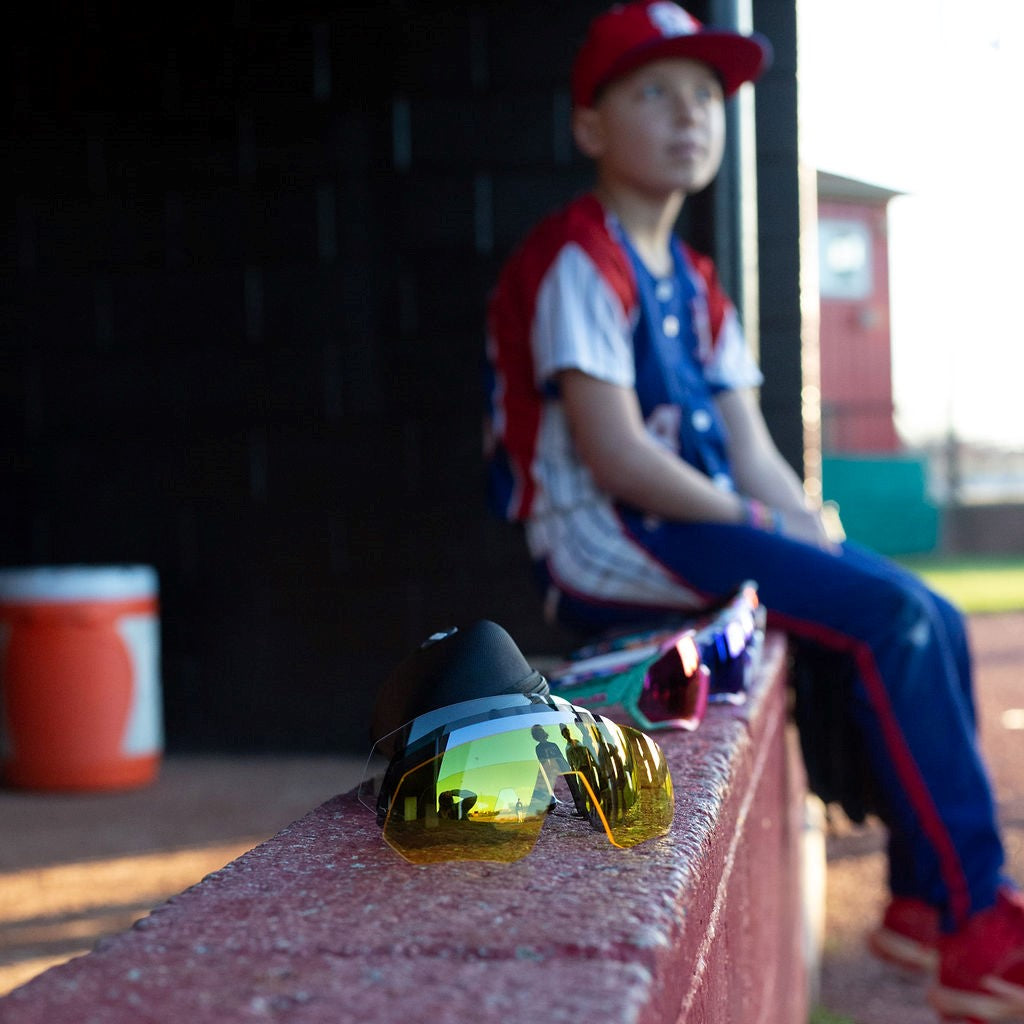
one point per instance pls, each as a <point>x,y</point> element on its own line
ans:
<point>981,967</point>
<point>908,935</point>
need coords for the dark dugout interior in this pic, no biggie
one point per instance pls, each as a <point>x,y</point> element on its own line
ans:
<point>247,254</point>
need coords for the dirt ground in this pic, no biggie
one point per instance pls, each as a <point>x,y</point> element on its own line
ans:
<point>76,868</point>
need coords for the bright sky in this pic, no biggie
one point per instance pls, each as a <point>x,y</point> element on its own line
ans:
<point>925,97</point>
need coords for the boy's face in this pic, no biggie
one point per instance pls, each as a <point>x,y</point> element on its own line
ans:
<point>657,131</point>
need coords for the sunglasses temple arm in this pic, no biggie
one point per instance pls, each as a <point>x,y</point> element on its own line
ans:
<point>606,691</point>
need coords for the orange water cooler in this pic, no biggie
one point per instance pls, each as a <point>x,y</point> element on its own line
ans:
<point>80,701</point>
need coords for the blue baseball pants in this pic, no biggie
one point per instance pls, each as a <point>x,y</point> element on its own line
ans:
<point>912,697</point>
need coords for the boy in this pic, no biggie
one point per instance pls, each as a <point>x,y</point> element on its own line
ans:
<point>626,435</point>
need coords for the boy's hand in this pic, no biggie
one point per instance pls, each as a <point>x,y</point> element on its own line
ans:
<point>807,525</point>
<point>833,524</point>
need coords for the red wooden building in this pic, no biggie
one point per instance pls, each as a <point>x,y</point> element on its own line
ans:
<point>856,364</point>
<point>881,490</point>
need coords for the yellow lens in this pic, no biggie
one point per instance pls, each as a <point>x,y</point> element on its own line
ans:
<point>466,805</point>
<point>487,798</point>
<point>635,797</point>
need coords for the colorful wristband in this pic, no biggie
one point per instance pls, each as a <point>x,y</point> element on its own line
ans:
<point>760,516</point>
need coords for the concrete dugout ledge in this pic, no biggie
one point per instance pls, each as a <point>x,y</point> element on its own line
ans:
<point>324,923</point>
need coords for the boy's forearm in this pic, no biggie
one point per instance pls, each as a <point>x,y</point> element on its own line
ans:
<point>652,478</point>
<point>627,462</point>
<point>759,470</point>
<point>769,478</point>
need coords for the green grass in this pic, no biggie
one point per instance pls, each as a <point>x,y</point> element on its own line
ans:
<point>975,584</point>
<point>823,1016</point>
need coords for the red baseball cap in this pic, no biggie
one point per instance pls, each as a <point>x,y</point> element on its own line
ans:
<point>630,35</point>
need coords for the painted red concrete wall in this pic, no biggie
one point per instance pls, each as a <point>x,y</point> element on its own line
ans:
<point>324,923</point>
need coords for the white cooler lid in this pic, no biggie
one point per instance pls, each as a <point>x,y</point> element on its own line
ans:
<point>78,583</point>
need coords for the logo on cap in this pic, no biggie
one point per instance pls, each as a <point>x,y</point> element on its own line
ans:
<point>671,20</point>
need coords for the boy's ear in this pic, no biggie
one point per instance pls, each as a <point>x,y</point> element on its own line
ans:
<point>588,132</point>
